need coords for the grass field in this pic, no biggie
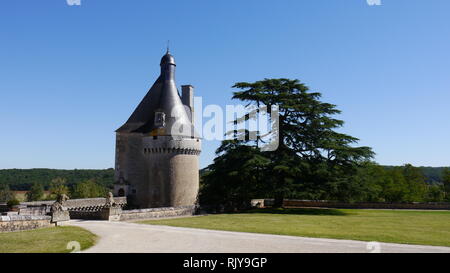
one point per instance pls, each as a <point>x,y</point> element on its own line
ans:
<point>395,226</point>
<point>45,240</point>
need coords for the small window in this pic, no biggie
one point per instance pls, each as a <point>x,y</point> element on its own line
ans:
<point>160,119</point>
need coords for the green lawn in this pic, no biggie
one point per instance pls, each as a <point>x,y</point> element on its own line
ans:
<point>396,226</point>
<point>45,240</point>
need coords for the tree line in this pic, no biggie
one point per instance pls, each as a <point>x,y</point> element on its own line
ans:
<point>74,183</point>
<point>58,186</point>
<point>313,160</point>
<point>23,179</point>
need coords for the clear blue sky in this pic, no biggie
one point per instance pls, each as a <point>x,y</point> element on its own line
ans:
<point>71,75</point>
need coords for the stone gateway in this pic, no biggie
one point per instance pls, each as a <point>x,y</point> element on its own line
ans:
<point>157,148</point>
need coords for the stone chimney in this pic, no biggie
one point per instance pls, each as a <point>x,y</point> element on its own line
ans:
<point>187,97</point>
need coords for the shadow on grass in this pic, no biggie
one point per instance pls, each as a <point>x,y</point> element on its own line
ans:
<point>298,211</point>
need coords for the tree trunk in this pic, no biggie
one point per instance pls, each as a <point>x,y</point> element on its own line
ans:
<point>278,202</point>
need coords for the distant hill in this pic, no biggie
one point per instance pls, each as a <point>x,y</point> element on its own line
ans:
<point>432,174</point>
<point>22,179</point>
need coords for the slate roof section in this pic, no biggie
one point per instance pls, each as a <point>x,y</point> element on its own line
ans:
<point>163,97</point>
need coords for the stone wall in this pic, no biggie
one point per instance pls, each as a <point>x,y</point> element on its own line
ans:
<point>143,214</point>
<point>37,203</point>
<point>172,172</point>
<point>92,202</point>
<point>21,222</point>
<point>173,179</point>
<point>87,209</point>
<point>107,213</point>
<point>117,214</point>
<point>360,205</point>
<point>76,203</point>
<point>32,215</point>
<point>37,210</point>
<point>130,166</point>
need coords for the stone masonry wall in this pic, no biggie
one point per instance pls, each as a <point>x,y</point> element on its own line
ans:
<point>130,165</point>
<point>77,203</point>
<point>20,222</point>
<point>92,202</point>
<point>362,205</point>
<point>173,171</point>
<point>143,214</point>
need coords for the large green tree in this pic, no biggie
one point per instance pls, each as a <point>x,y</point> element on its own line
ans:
<point>36,193</point>
<point>446,183</point>
<point>58,187</point>
<point>311,153</point>
<point>416,187</point>
<point>88,189</point>
<point>234,178</point>
<point>312,157</point>
<point>5,193</point>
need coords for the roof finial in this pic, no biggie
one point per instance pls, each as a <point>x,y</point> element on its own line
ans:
<point>168,43</point>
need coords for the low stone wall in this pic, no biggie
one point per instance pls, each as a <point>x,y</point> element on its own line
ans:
<point>37,203</point>
<point>77,203</point>
<point>362,205</point>
<point>107,213</point>
<point>152,213</point>
<point>21,222</point>
<point>37,210</point>
<point>92,202</point>
<point>32,215</point>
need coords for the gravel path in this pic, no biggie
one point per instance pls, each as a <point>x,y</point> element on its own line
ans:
<point>125,237</point>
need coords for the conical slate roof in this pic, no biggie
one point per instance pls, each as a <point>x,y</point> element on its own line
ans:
<point>164,102</point>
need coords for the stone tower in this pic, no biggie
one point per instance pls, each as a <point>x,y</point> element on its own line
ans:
<point>157,148</point>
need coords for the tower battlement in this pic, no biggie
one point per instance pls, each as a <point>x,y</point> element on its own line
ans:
<point>167,144</point>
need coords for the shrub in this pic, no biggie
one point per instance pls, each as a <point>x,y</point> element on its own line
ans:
<point>13,202</point>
